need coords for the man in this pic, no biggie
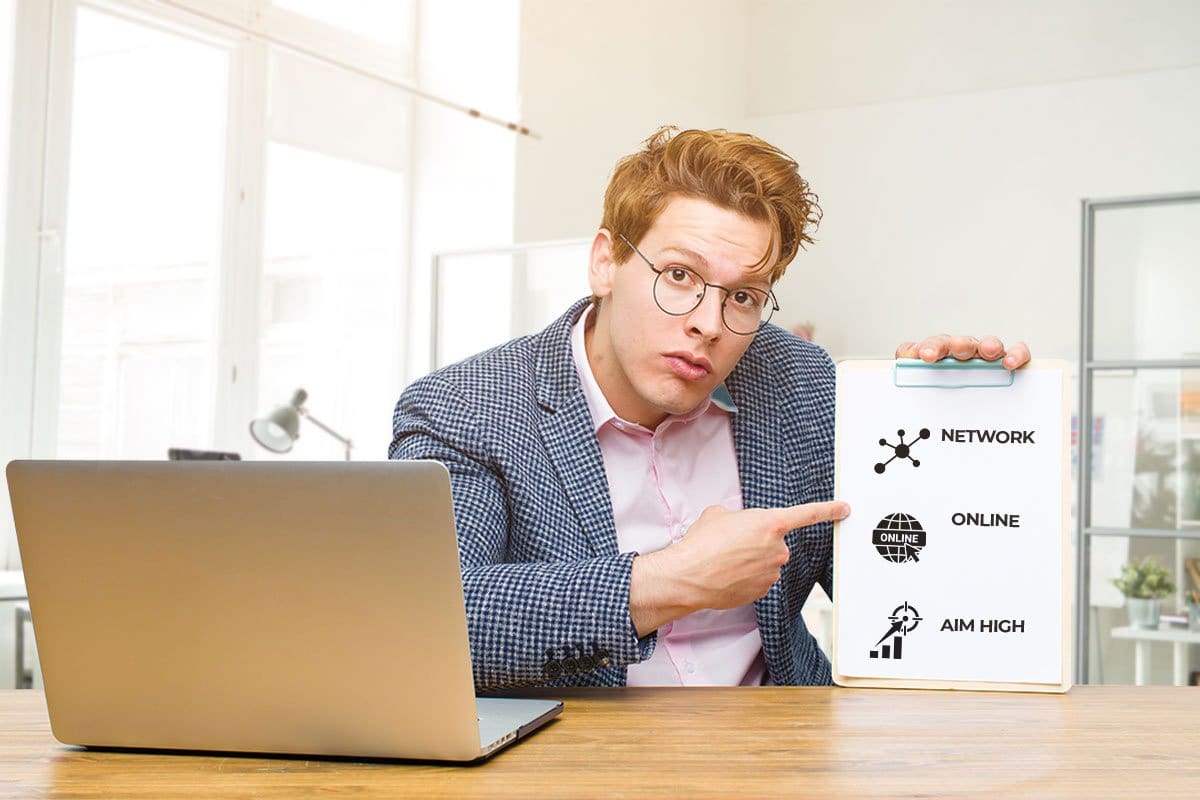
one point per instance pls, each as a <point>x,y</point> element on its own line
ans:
<point>643,491</point>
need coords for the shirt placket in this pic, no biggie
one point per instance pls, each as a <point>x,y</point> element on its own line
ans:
<point>678,648</point>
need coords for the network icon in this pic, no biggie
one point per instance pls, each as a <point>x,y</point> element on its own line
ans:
<point>901,450</point>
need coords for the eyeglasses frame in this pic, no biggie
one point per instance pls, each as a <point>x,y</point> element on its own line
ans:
<point>658,272</point>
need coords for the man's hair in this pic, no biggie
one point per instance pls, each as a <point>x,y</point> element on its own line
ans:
<point>736,171</point>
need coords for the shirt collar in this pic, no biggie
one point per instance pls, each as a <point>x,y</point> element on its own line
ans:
<point>597,403</point>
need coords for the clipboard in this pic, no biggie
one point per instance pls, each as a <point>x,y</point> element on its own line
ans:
<point>953,570</point>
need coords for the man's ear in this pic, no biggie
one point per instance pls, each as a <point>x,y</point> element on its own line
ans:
<point>601,267</point>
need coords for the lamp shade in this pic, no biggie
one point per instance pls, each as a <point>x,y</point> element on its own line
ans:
<point>279,430</point>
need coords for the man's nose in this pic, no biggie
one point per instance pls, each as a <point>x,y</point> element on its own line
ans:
<point>706,318</point>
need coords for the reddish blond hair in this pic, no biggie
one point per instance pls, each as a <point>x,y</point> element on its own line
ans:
<point>732,170</point>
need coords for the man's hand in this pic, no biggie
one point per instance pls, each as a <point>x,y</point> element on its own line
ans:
<point>964,348</point>
<point>727,559</point>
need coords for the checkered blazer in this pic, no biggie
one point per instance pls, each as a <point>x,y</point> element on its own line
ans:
<point>547,592</point>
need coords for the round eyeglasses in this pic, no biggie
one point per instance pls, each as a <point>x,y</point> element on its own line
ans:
<point>679,290</point>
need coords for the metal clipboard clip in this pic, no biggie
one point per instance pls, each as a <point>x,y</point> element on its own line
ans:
<point>950,373</point>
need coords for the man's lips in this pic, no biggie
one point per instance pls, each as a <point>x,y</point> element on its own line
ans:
<point>686,365</point>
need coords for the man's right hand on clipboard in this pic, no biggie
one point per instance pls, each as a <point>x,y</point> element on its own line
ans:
<point>964,348</point>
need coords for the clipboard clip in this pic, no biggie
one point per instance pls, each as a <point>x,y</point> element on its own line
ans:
<point>950,373</point>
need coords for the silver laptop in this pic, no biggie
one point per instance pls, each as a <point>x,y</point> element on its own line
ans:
<point>299,608</point>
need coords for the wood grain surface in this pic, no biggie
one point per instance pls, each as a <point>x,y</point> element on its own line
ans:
<point>1096,741</point>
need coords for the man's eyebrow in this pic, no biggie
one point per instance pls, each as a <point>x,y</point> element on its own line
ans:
<point>683,251</point>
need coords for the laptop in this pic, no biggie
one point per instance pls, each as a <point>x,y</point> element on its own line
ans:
<point>259,607</point>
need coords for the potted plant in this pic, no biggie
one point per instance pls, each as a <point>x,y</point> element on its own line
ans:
<point>1144,584</point>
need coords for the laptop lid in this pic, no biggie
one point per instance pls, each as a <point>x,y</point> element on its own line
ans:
<point>271,607</point>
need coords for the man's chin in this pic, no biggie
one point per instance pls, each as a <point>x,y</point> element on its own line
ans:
<point>681,402</point>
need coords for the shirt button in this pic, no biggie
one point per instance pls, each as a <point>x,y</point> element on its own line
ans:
<point>690,667</point>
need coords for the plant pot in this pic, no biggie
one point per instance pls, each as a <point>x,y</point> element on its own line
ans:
<point>1143,612</point>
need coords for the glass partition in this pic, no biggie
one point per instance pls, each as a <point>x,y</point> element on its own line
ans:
<point>483,298</point>
<point>1140,398</point>
<point>1136,645</point>
<point>1147,281</point>
<point>1145,442</point>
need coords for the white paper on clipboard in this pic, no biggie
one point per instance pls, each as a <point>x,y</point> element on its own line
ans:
<point>953,570</point>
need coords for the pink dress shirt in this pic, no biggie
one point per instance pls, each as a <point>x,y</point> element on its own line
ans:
<point>660,481</point>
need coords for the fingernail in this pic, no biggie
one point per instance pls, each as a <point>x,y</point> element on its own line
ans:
<point>928,352</point>
<point>842,511</point>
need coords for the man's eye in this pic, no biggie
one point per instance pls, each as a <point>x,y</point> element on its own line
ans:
<point>746,299</point>
<point>680,276</point>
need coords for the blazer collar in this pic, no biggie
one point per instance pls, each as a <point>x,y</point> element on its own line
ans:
<point>566,428</point>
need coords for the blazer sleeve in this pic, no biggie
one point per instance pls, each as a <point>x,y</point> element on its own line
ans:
<point>528,623</point>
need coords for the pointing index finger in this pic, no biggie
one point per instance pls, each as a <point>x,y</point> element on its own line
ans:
<point>789,518</point>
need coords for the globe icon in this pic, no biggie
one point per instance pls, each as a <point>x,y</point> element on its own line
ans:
<point>899,538</point>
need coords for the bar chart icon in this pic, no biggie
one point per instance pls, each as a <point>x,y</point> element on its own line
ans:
<point>904,620</point>
<point>893,650</point>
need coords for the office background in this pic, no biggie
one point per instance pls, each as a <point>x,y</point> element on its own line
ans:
<point>210,203</point>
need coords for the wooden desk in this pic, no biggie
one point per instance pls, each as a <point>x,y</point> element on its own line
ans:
<point>1097,741</point>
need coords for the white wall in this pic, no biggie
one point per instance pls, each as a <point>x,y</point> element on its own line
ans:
<point>962,212</point>
<point>812,54</point>
<point>597,79</point>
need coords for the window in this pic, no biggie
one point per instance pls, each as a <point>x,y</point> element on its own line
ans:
<point>7,8</point>
<point>212,221</point>
<point>236,229</point>
<point>330,296</point>
<point>335,238</point>
<point>143,241</point>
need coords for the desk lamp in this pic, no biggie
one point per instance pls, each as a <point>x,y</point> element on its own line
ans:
<point>280,429</point>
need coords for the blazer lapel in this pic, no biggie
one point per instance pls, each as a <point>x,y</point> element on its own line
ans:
<point>566,429</point>
<point>763,470</point>
<point>762,466</point>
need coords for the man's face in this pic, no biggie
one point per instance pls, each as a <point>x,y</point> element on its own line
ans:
<point>648,363</point>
